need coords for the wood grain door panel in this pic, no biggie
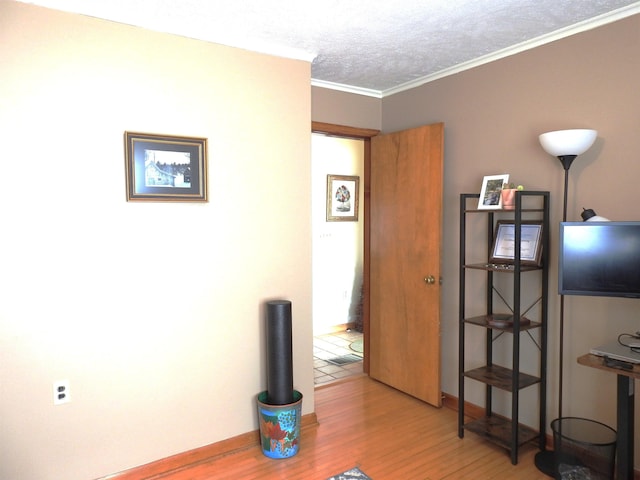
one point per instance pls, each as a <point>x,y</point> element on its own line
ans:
<point>405,252</point>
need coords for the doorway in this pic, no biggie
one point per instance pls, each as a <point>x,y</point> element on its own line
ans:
<point>418,152</point>
<point>337,253</point>
<point>340,271</point>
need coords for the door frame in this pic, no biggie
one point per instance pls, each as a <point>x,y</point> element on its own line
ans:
<point>364,134</point>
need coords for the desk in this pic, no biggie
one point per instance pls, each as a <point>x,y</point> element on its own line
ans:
<point>625,412</point>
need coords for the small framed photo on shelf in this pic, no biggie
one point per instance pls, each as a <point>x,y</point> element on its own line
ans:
<point>163,168</point>
<point>503,249</point>
<point>490,198</point>
<point>342,198</point>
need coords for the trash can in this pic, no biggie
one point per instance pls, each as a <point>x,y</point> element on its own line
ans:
<point>280,426</point>
<point>584,449</point>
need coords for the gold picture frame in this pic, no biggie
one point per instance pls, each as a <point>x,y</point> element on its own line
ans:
<point>165,168</point>
<point>343,192</point>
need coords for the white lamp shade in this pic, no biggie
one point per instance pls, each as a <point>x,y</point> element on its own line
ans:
<point>568,142</point>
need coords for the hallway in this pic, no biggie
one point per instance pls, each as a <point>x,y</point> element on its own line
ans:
<point>336,356</point>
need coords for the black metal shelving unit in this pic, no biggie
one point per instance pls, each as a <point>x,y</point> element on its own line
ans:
<point>504,430</point>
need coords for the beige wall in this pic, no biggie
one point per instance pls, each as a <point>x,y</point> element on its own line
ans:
<point>153,311</point>
<point>493,115</point>
<point>341,108</point>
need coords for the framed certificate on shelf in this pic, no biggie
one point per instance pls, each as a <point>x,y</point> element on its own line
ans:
<point>503,250</point>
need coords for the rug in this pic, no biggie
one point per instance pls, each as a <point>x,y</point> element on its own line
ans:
<point>345,359</point>
<point>357,346</point>
<point>354,473</point>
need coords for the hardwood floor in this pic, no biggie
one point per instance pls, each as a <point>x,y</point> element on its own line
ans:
<point>388,434</point>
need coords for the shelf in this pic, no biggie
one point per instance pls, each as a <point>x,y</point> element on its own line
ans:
<point>497,267</point>
<point>483,321</point>
<point>501,377</point>
<point>502,210</point>
<point>498,430</point>
<point>479,293</point>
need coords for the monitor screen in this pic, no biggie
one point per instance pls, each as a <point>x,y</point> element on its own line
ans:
<point>599,258</point>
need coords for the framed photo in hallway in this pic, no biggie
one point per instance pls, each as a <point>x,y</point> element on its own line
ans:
<point>342,198</point>
<point>163,168</point>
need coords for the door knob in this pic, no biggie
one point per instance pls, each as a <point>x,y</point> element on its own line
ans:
<point>430,280</point>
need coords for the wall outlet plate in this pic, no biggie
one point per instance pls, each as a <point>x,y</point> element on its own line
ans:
<point>61,392</point>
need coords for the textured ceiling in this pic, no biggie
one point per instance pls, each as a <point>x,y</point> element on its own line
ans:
<point>374,47</point>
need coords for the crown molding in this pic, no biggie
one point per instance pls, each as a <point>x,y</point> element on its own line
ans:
<point>346,88</point>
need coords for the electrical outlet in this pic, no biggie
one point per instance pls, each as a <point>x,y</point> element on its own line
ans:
<point>61,392</point>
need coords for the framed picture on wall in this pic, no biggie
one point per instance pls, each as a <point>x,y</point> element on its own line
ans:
<point>490,198</point>
<point>163,168</point>
<point>342,198</point>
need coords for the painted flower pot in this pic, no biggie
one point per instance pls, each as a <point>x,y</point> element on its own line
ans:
<point>280,426</point>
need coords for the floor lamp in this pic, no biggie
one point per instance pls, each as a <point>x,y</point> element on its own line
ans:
<point>566,145</point>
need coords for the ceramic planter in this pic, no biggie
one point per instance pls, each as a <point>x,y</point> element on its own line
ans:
<point>508,198</point>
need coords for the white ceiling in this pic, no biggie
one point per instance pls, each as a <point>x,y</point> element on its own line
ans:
<point>372,47</point>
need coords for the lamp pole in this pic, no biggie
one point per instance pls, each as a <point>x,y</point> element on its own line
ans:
<point>566,145</point>
<point>566,161</point>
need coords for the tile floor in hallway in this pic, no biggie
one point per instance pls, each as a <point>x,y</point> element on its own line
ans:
<point>330,346</point>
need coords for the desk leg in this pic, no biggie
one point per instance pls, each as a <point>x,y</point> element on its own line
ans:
<point>625,428</point>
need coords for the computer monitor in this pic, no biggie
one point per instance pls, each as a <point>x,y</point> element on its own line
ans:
<point>599,259</point>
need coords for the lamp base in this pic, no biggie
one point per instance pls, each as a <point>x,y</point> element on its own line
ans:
<point>546,462</point>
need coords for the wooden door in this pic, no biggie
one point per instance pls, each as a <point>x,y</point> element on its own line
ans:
<point>405,244</point>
